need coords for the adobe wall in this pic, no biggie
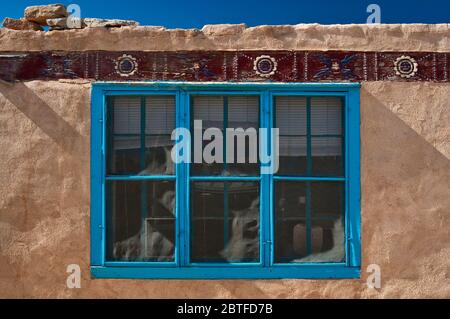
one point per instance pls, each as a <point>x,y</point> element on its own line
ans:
<point>357,37</point>
<point>405,168</point>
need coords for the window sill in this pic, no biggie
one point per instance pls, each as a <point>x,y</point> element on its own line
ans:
<point>279,272</point>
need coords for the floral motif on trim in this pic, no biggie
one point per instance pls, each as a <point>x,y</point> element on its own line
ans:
<point>265,66</point>
<point>405,67</point>
<point>126,65</point>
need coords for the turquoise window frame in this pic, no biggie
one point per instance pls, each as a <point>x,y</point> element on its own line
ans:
<point>181,268</point>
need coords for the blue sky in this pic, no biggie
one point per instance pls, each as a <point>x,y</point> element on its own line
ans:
<point>196,13</point>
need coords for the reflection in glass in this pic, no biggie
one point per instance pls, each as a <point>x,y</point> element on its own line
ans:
<point>140,220</point>
<point>327,156</point>
<point>311,135</point>
<point>226,112</point>
<point>139,142</point>
<point>225,222</point>
<point>309,223</point>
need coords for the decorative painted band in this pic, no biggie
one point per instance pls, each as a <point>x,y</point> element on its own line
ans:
<point>248,66</point>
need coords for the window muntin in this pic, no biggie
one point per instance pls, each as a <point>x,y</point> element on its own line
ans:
<point>269,260</point>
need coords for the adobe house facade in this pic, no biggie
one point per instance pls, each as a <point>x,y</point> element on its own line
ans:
<point>47,143</point>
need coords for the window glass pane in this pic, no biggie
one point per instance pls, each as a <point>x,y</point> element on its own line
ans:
<point>327,212</point>
<point>326,131</point>
<point>210,110</point>
<point>308,222</point>
<point>225,222</point>
<point>227,112</point>
<point>326,115</point>
<point>290,213</point>
<point>290,119</point>
<point>140,220</point>
<point>323,140</point>
<point>160,115</point>
<point>139,142</point>
<point>243,112</point>
<point>327,156</point>
<point>126,115</point>
<point>293,160</point>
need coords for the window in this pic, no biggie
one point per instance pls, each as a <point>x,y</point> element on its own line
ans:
<point>152,217</point>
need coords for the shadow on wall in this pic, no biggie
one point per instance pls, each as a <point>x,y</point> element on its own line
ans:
<point>405,197</point>
<point>46,167</point>
<point>40,113</point>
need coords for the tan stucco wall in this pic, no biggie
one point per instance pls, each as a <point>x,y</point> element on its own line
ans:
<point>44,183</point>
<point>44,198</point>
<point>355,37</point>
